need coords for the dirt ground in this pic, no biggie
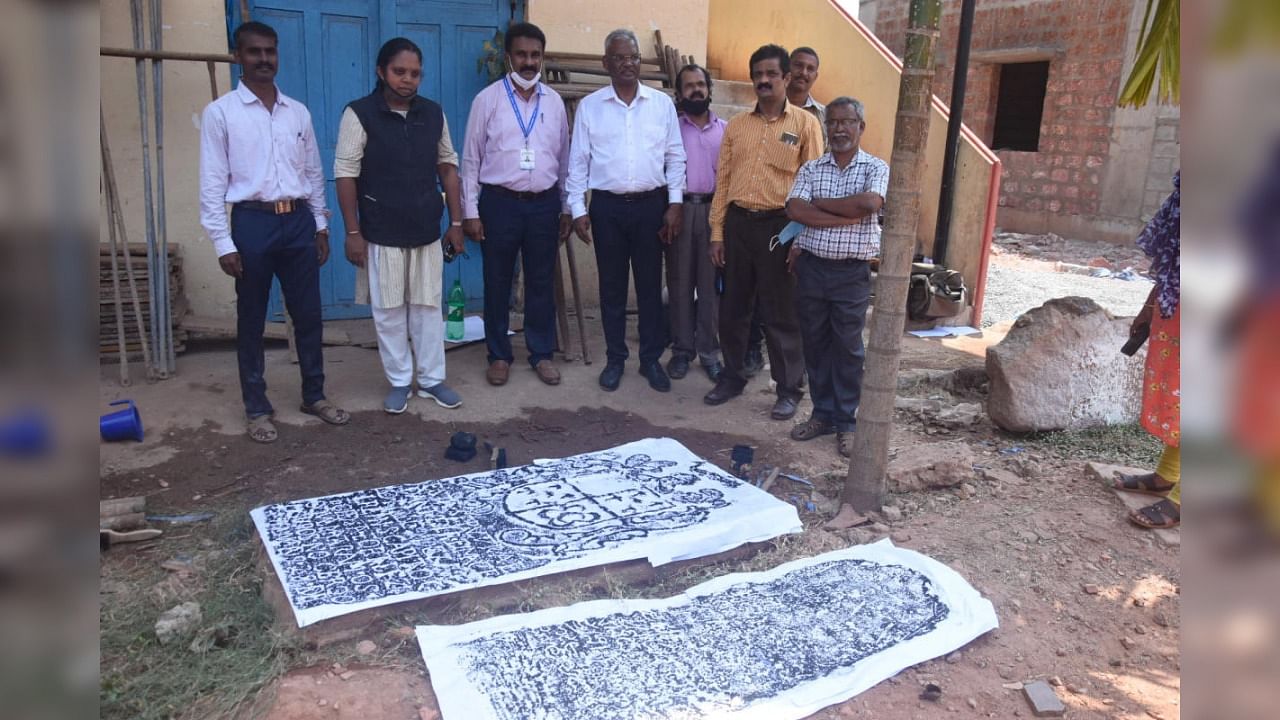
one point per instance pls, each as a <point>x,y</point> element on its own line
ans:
<point>1085,600</point>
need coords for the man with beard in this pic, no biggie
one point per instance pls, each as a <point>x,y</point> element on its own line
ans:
<point>837,198</point>
<point>514,163</point>
<point>258,153</point>
<point>759,157</point>
<point>627,151</point>
<point>689,268</point>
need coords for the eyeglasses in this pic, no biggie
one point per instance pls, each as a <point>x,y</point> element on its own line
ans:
<point>624,59</point>
<point>841,122</point>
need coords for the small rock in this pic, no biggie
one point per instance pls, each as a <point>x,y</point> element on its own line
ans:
<point>347,675</point>
<point>954,657</point>
<point>1139,602</point>
<point>322,702</point>
<point>404,631</point>
<point>1161,619</point>
<point>1090,589</point>
<point>879,528</point>
<point>1075,689</point>
<point>162,483</point>
<point>1139,630</point>
<point>366,647</point>
<point>900,537</point>
<point>178,622</point>
<point>1006,673</point>
<point>1062,652</point>
<point>1115,662</point>
<point>968,490</point>
<point>891,513</point>
<point>1101,262</point>
<point>1000,477</point>
<point>1043,700</point>
<point>1011,685</point>
<point>1127,642</point>
<point>426,713</point>
<point>972,703</point>
<point>1055,681</point>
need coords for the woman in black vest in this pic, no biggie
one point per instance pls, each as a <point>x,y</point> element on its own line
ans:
<point>393,156</point>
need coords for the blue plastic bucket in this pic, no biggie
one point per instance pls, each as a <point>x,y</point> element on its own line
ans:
<point>123,424</point>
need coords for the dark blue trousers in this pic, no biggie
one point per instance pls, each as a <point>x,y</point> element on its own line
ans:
<point>625,235</point>
<point>532,229</point>
<point>831,303</point>
<point>284,247</point>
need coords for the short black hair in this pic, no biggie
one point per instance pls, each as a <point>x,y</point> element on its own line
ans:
<point>770,52</point>
<point>253,27</point>
<point>807,51</point>
<point>523,30</point>
<point>692,66</point>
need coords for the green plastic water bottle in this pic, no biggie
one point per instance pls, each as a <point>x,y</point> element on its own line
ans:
<point>455,327</point>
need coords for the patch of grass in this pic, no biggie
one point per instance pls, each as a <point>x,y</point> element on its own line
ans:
<point>1119,444</point>
<point>140,678</point>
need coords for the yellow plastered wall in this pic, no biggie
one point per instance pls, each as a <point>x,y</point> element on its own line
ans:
<point>851,64</point>
<point>189,27</point>
<point>581,25</point>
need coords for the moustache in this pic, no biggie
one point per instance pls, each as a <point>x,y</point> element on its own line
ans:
<point>263,66</point>
<point>528,68</point>
<point>764,86</point>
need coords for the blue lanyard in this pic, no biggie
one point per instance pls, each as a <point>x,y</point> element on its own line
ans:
<point>526,129</point>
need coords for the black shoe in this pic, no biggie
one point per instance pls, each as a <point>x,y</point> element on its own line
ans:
<point>678,367</point>
<point>784,409</point>
<point>753,363</point>
<point>658,379</point>
<point>611,376</point>
<point>713,370</point>
<point>721,393</point>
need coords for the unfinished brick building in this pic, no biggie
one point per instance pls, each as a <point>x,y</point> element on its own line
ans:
<point>1043,80</point>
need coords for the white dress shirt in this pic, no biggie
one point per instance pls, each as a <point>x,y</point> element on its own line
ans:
<point>625,148</point>
<point>250,153</point>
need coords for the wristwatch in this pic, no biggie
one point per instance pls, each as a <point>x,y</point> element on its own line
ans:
<point>455,223</point>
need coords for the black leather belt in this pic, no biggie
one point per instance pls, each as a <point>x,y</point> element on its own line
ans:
<point>836,261</point>
<point>698,198</point>
<point>635,196</point>
<point>278,207</point>
<point>524,194</point>
<point>760,214</point>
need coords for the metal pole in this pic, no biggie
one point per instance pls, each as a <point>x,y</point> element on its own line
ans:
<point>942,233</point>
<point>135,12</point>
<point>166,350</point>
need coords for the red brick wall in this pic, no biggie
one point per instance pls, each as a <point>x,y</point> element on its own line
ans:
<point>1084,79</point>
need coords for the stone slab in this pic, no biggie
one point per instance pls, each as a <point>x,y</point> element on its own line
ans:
<point>1043,700</point>
<point>508,597</point>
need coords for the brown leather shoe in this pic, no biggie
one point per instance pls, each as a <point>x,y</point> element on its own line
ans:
<point>498,372</point>
<point>547,372</point>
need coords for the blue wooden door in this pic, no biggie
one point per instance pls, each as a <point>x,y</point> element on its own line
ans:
<point>328,52</point>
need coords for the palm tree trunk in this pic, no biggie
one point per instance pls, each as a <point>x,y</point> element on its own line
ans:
<point>864,487</point>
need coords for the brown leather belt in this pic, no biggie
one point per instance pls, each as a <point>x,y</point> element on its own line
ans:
<point>278,207</point>
<point>760,214</point>
<point>523,194</point>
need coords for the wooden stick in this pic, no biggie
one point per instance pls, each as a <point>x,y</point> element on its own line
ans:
<point>128,521</point>
<point>562,316</point>
<point>577,300</point>
<point>121,506</point>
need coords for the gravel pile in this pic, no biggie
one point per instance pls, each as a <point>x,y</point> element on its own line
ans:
<point>1012,291</point>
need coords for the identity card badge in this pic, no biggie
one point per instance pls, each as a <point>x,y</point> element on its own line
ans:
<point>526,159</point>
<point>790,138</point>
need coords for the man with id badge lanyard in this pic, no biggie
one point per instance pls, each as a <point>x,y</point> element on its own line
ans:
<point>514,163</point>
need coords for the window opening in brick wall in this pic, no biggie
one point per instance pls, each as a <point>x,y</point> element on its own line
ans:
<point>1020,106</point>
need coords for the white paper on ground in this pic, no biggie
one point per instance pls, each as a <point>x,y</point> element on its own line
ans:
<point>946,331</point>
<point>651,499</point>
<point>774,645</point>
<point>472,329</point>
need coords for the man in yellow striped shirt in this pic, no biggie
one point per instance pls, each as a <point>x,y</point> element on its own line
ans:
<point>761,152</point>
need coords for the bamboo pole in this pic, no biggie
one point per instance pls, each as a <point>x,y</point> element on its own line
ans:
<point>115,214</point>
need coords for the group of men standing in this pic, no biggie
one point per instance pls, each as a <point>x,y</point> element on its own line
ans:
<point>763,233</point>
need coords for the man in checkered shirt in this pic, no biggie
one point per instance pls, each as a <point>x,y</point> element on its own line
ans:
<point>838,199</point>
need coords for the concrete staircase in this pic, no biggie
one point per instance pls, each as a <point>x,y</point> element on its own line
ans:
<point>730,97</point>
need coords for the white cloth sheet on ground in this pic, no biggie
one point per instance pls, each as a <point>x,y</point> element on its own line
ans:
<point>775,645</point>
<point>651,499</point>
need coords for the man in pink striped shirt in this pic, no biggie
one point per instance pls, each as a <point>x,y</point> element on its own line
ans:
<point>514,162</point>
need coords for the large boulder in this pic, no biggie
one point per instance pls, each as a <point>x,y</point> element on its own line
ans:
<point>1060,368</point>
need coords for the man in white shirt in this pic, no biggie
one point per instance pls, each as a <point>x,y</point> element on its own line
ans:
<point>628,152</point>
<point>258,154</point>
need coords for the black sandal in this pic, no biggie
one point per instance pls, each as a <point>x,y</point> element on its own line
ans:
<point>1142,484</point>
<point>1162,515</point>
